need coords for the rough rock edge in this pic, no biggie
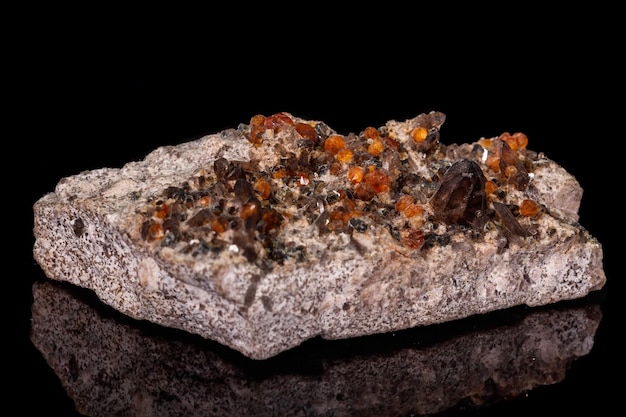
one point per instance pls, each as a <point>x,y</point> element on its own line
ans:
<point>347,295</point>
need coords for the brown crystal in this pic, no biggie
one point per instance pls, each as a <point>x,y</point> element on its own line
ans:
<point>509,223</point>
<point>510,164</point>
<point>460,197</point>
<point>306,131</point>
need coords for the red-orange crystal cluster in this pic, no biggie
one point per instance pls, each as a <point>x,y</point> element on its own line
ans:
<point>344,184</point>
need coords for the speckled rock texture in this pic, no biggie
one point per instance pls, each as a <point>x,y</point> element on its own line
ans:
<point>111,366</point>
<point>281,230</point>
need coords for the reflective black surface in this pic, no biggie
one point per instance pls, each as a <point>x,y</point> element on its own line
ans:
<point>101,103</point>
<point>111,365</point>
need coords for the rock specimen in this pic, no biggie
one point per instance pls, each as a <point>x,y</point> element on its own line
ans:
<point>283,229</point>
<point>111,366</point>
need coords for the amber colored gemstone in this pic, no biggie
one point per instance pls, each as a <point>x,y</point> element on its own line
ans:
<point>155,232</point>
<point>306,131</point>
<point>406,205</point>
<point>344,155</point>
<point>419,134</point>
<point>277,121</point>
<point>219,224</point>
<point>493,162</point>
<point>521,140</point>
<point>257,129</point>
<point>414,210</point>
<point>371,133</point>
<point>490,187</point>
<point>378,180</point>
<point>257,120</point>
<point>256,134</point>
<point>162,211</point>
<point>376,147</point>
<point>333,144</point>
<point>404,202</point>
<point>412,238</point>
<point>485,143</point>
<point>263,187</point>
<point>355,174</point>
<point>529,208</point>
<point>517,140</point>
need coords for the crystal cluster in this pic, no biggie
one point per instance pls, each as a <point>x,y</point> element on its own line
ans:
<point>345,184</point>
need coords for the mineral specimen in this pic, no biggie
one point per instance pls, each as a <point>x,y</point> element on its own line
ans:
<point>283,229</point>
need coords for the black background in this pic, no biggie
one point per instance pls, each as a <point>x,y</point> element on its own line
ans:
<point>101,88</point>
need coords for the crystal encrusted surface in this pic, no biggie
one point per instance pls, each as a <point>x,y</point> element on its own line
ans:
<point>283,229</point>
<point>299,175</point>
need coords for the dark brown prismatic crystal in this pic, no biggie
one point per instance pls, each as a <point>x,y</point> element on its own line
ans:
<point>461,197</point>
<point>509,163</point>
<point>509,223</point>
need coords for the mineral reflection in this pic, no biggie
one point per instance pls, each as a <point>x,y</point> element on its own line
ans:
<point>111,365</point>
